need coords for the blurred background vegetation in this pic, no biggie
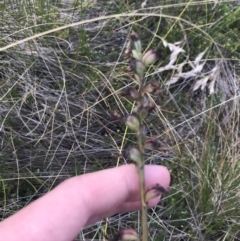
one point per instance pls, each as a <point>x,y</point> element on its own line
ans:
<point>57,91</point>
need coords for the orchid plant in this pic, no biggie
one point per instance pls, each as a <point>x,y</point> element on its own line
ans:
<point>136,122</point>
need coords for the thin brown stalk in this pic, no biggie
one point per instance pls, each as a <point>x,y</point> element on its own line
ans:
<point>140,168</point>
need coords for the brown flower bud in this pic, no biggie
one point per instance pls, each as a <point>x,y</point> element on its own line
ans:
<point>130,93</point>
<point>151,87</point>
<point>133,64</point>
<point>148,104</point>
<point>154,144</point>
<point>149,57</point>
<point>134,36</point>
<point>154,191</point>
<point>144,108</point>
<point>117,155</point>
<point>116,115</point>
<point>126,234</point>
<point>137,78</point>
<point>151,107</point>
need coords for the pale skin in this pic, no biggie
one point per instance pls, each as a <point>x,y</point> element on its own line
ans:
<point>62,213</point>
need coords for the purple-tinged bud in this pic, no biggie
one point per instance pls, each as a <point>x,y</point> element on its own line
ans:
<point>132,122</point>
<point>149,57</point>
<point>136,41</point>
<point>134,36</point>
<point>154,191</point>
<point>130,93</point>
<point>133,65</point>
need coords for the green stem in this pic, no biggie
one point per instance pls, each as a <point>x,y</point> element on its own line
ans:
<point>142,191</point>
<point>142,178</point>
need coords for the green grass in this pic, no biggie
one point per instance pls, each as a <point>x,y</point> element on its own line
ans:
<point>59,88</point>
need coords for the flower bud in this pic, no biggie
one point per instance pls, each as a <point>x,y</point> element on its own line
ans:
<point>136,41</point>
<point>130,93</point>
<point>128,235</point>
<point>149,57</point>
<point>154,192</point>
<point>151,107</point>
<point>134,36</point>
<point>132,122</point>
<point>132,154</point>
<point>144,108</point>
<point>137,78</point>
<point>142,113</point>
<point>135,155</point>
<point>138,67</point>
<point>151,87</point>
<point>155,145</point>
<point>145,101</point>
<point>152,144</point>
<point>116,115</point>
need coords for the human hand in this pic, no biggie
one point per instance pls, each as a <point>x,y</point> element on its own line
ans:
<point>79,201</point>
